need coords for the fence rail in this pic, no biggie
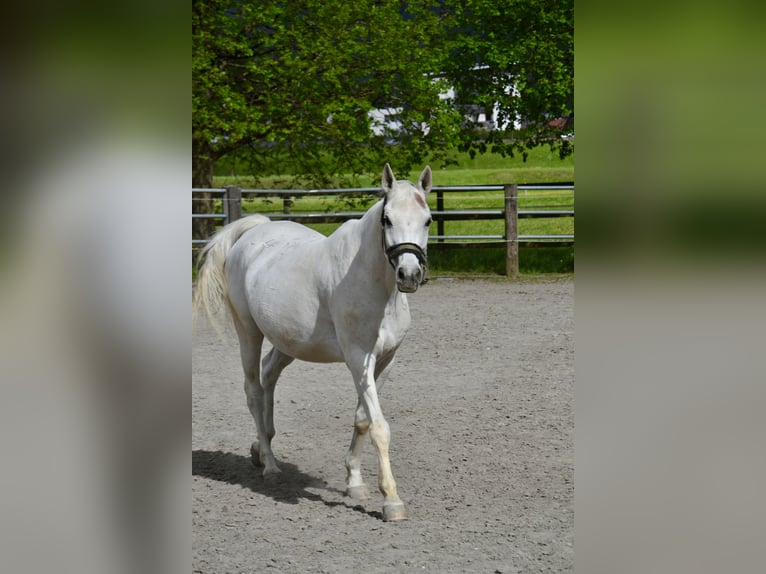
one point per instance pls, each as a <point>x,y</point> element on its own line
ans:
<point>231,209</point>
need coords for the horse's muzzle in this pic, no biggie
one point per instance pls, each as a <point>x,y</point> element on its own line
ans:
<point>408,276</point>
<point>407,288</point>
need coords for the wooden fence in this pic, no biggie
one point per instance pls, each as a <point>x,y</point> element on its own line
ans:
<point>231,210</point>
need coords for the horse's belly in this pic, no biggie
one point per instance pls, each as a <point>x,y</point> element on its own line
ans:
<point>326,351</point>
<point>306,336</point>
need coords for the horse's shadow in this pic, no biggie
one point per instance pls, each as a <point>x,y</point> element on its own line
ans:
<point>288,487</point>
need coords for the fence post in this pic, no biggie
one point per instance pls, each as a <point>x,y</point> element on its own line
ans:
<point>511,229</point>
<point>232,203</point>
<point>440,207</point>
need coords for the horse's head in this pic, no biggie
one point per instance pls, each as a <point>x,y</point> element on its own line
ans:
<point>405,218</point>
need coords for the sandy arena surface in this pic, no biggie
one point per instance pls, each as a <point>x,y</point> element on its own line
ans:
<point>480,404</point>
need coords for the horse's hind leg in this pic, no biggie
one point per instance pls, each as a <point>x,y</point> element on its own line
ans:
<point>250,344</point>
<point>273,365</point>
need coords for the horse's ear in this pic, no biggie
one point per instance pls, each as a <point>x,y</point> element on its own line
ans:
<point>425,180</point>
<point>388,180</point>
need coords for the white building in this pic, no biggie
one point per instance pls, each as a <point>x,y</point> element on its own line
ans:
<point>387,119</point>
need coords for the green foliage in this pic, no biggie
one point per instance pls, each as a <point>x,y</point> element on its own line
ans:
<point>526,44</point>
<point>297,80</point>
<point>293,83</point>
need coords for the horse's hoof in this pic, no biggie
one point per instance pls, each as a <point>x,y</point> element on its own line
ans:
<point>360,492</point>
<point>393,512</point>
<point>255,455</point>
<point>272,476</point>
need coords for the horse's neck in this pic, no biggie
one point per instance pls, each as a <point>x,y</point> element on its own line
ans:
<point>371,232</point>
<point>370,258</point>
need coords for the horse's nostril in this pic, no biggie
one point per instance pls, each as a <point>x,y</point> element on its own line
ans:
<point>400,274</point>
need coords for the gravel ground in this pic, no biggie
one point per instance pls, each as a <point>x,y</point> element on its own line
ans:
<point>480,403</point>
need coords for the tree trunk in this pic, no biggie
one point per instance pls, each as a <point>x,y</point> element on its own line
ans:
<point>202,176</point>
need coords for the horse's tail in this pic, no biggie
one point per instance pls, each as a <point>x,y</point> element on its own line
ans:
<point>211,290</point>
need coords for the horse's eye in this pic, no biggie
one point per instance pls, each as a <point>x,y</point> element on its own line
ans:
<point>428,222</point>
<point>386,221</point>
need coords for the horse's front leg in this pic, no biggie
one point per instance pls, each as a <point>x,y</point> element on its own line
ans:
<point>355,486</point>
<point>362,366</point>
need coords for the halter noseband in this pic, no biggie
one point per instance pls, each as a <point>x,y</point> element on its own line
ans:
<point>400,248</point>
<point>395,251</point>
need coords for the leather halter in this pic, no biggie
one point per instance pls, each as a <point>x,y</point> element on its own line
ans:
<point>395,251</point>
<point>400,248</point>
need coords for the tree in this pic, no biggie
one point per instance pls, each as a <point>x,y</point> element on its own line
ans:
<point>517,55</point>
<point>300,79</point>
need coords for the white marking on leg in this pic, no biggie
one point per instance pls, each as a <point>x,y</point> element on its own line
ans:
<point>355,486</point>
<point>380,435</point>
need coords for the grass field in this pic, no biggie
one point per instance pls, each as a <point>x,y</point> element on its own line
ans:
<point>542,166</point>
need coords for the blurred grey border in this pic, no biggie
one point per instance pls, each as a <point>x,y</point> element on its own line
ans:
<point>94,336</point>
<point>670,307</point>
